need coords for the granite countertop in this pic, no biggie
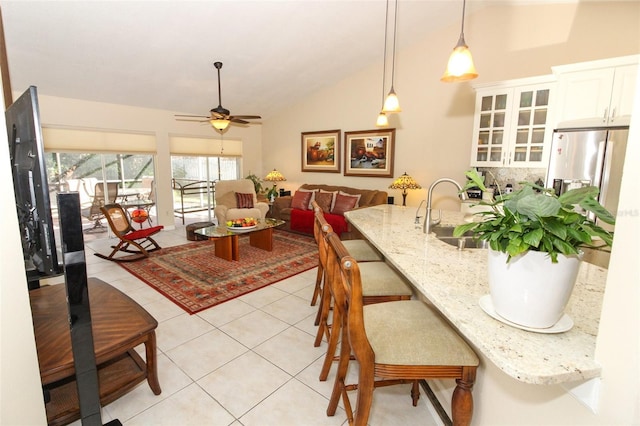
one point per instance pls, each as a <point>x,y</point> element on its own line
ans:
<point>454,281</point>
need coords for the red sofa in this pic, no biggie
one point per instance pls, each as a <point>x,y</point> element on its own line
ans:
<point>301,221</point>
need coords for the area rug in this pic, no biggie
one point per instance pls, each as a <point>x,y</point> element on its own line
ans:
<point>193,278</point>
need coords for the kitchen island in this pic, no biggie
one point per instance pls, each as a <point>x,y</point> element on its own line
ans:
<point>454,280</point>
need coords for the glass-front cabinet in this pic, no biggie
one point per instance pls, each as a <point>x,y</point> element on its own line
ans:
<point>511,124</point>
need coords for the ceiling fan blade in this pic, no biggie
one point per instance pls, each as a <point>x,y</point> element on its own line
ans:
<point>216,113</point>
<point>247,117</point>
<point>194,119</point>
<point>237,120</point>
<point>190,116</point>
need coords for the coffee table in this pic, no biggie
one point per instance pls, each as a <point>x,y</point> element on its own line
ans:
<point>227,240</point>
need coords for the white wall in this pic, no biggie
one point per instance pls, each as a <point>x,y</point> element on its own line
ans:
<point>21,400</point>
<point>618,345</point>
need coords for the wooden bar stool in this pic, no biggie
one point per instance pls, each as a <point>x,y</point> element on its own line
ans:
<point>361,250</point>
<point>380,284</point>
<point>393,342</point>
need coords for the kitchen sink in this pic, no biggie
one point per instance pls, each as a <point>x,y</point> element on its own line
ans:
<point>445,234</point>
<point>447,231</point>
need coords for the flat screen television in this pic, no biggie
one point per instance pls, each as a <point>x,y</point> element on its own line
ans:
<point>26,151</point>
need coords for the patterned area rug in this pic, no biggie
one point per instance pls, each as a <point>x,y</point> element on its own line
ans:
<point>194,279</point>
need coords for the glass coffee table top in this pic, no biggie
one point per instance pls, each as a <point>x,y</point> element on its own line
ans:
<point>223,231</point>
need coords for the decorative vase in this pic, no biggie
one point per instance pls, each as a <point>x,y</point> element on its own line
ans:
<point>530,290</point>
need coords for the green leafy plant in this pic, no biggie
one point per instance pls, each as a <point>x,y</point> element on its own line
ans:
<point>272,191</point>
<point>534,218</point>
<point>257,182</point>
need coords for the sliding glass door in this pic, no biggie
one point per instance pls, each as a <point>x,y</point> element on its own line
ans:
<point>132,176</point>
<point>194,180</point>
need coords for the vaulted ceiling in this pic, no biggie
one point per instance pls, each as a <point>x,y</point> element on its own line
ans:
<point>160,54</point>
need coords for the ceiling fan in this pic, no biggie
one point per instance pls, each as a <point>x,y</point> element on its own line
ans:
<point>219,117</point>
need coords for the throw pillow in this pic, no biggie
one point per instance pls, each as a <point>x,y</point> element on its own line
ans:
<point>300,200</point>
<point>324,201</point>
<point>333,194</point>
<point>244,201</point>
<point>228,200</point>
<point>344,203</point>
<point>313,195</point>
<point>352,195</point>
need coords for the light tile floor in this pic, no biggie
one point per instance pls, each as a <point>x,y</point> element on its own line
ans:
<point>249,361</point>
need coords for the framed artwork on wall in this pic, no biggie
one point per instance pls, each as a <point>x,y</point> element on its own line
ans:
<point>321,151</point>
<point>369,153</point>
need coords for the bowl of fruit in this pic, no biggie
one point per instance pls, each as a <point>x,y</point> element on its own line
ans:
<point>242,225</point>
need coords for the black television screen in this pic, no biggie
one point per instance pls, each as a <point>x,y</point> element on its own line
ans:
<point>26,150</point>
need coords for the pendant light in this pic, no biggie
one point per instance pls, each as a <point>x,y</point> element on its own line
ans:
<point>391,104</point>
<point>382,120</point>
<point>460,66</point>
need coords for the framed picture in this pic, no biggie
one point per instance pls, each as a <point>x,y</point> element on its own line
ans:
<point>321,151</point>
<point>369,153</point>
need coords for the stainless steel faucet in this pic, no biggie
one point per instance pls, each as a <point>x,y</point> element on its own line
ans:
<point>428,223</point>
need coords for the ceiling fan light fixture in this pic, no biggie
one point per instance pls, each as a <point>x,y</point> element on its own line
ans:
<point>460,66</point>
<point>219,123</point>
<point>219,117</point>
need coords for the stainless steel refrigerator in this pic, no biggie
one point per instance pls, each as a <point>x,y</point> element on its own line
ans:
<point>585,157</point>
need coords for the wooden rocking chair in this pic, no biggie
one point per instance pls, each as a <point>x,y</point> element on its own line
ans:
<point>138,242</point>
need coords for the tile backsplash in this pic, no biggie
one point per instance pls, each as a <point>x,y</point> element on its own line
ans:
<point>503,175</point>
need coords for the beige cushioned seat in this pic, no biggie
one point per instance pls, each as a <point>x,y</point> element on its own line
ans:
<point>362,251</point>
<point>378,279</point>
<point>393,342</point>
<point>430,340</point>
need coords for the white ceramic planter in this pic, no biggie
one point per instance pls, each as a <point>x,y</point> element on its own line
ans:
<point>530,290</point>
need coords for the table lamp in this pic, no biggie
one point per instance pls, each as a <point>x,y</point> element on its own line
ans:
<point>404,182</point>
<point>273,176</point>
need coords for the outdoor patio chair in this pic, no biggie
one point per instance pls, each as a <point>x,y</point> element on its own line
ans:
<point>93,212</point>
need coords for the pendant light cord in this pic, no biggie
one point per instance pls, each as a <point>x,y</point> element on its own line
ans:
<point>384,57</point>
<point>393,65</point>
<point>464,4</point>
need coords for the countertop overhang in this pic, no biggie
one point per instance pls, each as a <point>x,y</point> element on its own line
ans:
<point>454,280</point>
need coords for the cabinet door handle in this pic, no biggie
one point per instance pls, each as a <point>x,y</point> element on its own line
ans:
<point>604,117</point>
<point>613,115</point>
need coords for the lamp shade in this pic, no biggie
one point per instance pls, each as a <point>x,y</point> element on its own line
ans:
<point>382,120</point>
<point>391,103</point>
<point>404,182</point>
<point>274,176</point>
<point>219,123</point>
<point>460,66</point>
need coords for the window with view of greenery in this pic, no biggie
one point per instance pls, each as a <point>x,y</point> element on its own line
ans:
<point>80,171</point>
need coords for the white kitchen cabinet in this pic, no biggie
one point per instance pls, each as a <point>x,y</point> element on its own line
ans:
<point>511,123</point>
<point>597,93</point>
